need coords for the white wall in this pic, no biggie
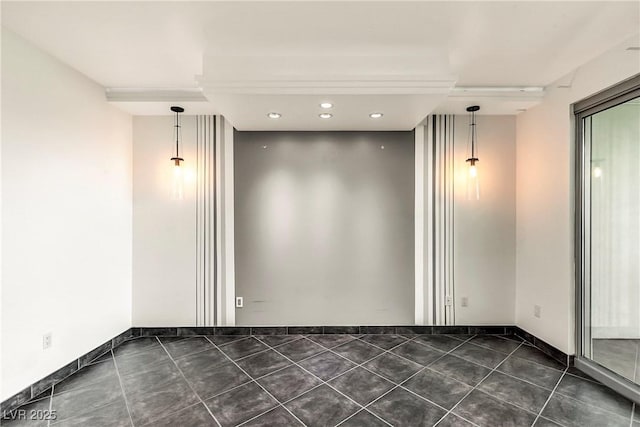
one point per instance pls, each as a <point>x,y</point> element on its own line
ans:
<point>164,248</point>
<point>544,198</point>
<point>66,215</point>
<point>484,229</point>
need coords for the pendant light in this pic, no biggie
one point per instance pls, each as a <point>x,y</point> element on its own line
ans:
<point>473,184</point>
<point>178,174</point>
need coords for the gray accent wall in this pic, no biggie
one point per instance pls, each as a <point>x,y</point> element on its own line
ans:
<point>324,227</point>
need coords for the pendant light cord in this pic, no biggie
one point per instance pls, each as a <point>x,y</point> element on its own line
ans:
<point>473,134</point>
<point>177,126</point>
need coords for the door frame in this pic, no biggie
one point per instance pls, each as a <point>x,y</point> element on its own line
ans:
<point>608,98</point>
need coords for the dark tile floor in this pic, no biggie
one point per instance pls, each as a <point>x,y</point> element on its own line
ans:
<point>330,380</point>
<point>620,355</point>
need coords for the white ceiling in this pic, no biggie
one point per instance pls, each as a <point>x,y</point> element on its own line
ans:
<point>245,59</point>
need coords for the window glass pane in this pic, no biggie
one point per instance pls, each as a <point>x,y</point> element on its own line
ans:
<point>614,190</point>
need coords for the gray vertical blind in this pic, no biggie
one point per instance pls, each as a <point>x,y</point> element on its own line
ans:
<point>205,220</point>
<point>440,148</point>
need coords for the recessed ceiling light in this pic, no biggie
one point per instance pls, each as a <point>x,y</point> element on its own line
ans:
<point>375,115</point>
<point>325,115</point>
<point>326,105</point>
<point>274,115</point>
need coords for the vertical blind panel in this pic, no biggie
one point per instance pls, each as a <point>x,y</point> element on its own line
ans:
<point>205,221</point>
<point>441,145</point>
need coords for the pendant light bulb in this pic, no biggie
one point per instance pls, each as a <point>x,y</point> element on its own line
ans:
<point>177,191</point>
<point>473,171</point>
<point>473,182</point>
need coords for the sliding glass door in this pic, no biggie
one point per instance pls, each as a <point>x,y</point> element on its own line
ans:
<point>608,233</point>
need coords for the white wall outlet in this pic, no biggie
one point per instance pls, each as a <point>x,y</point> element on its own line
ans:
<point>536,311</point>
<point>464,301</point>
<point>448,300</point>
<point>46,341</point>
<point>239,302</point>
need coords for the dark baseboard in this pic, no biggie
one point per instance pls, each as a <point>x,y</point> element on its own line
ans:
<point>545,347</point>
<point>306,330</point>
<point>43,386</point>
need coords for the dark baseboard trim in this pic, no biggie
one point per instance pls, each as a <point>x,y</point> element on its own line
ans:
<point>545,347</point>
<point>306,330</point>
<point>43,386</point>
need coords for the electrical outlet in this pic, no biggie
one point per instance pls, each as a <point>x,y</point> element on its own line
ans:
<point>239,302</point>
<point>464,301</point>
<point>448,300</point>
<point>46,341</point>
<point>536,311</point>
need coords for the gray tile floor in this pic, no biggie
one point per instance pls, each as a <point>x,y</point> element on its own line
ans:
<point>620,355</point>
<point>330,380</point>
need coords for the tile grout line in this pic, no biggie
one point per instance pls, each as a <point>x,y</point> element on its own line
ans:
<point>450,352</point>
<point>591,380</point>
<point>257,383</point>
<point>124,394</point>
<point>188,383</point>
<point>506,356</point>
<point>401,386</point>
<point>325,350</point>
<point>361,365</point>
<point>384,350</point>
<point>476,386</point>
<point>482,391</point>
<point>528,344</point>
<point>550,396</point>
<point>210,348</point>
<point>279,404</point>
<point>225,344</point>
<point>95,408</point>
<point>197,352</point>
<point>325,382</point>
<point>265,350</point>
<point>282,368</point>
<point>590,405</point>
<point>468,340</point>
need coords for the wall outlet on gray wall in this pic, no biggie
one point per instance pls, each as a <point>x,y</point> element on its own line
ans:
<point>239,302</point>
<point>46,341</point>
<point>536,311</point>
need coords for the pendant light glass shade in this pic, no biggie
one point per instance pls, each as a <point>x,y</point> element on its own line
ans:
<point>473,180</point>
<point>177,190</point>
